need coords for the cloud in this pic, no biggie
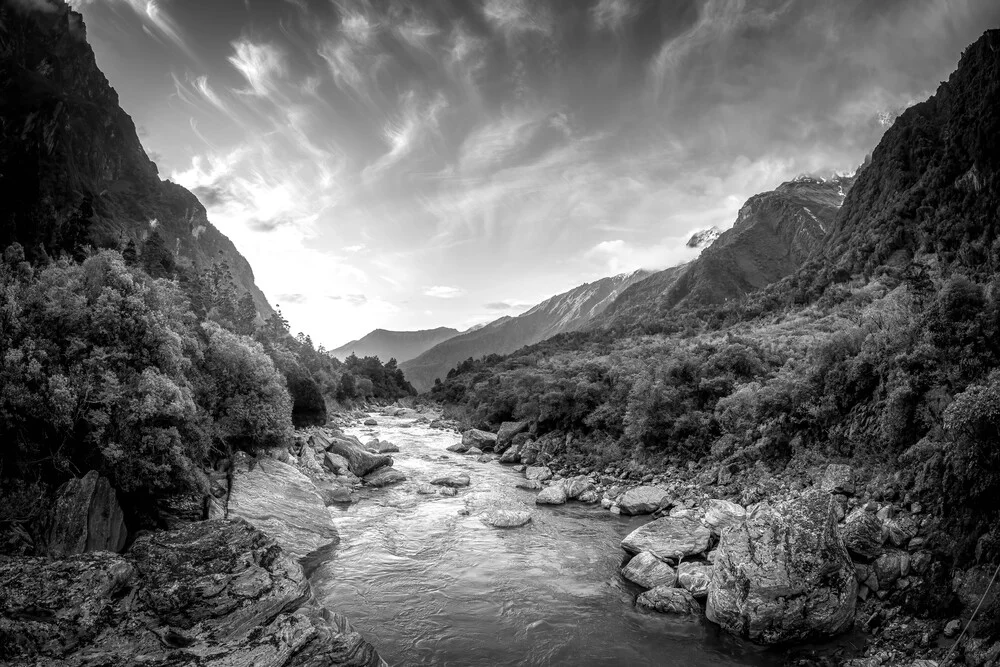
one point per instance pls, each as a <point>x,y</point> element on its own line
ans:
<point>443,292</point>
<point>353,299</point>
<point>507,305</point>
<point>292,298</point>
<point>157,23</point>
<point>260,64</point>
<point>44,6</point>
<point>414,126</point>
<point>613,14</point>
<point>355,248</point>
<point>517,17</point>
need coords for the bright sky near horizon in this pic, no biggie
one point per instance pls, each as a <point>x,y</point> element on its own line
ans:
<point>408,165</point>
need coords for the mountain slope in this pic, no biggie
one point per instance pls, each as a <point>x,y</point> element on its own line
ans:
<point>773,235</point>
<point>70,158</point>
<point>399,345</point>
<point>564,312</point>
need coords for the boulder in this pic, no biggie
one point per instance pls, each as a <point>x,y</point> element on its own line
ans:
<point>551,495</point>
<point>649,571</point>
<point>529,452</point>
<point>784,575</point>
<point>335,463</point>
<point>890,566</point>
<point>474,451</point>
<point>589,497</point>
<point>213,593</point>
<point>333,495</point>
<point>360,460</point>
<point>448,491</point>
<point>382,446</point>
<point>383,477</point>
<point>307,460</point>
<point>505,436</point>
<point>669,538</point>
<point>370,422</point>
<point>498,509</point>
<point>426,489</point>
<point>577,486</point>
<point>484,458</point>
<point>475,437</point>
<point>695,578</point>
<point>838,478</point>
<point>512,454</point>
<point>862,533</point>
<point>279,500</point>
<point>458,448</point>
<point>541,473</point>
<point>642,500</point>
<point>530,484</point>
<point>900,530</point>
<point>669,600</point>
<point>454,481</point>
<point>86,517</point>
<point>722,514</point>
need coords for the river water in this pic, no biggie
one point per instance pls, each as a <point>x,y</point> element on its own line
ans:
<point>429,586</point>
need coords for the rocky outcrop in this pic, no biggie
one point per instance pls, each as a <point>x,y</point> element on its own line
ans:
<point>507,431</point>
<point>213,594</point>
<point>722,514</point>
<point>86,517</point>
<point>360,460</point>
<point>642,500</point>
<point>784,575</point>
<point>551,495</point>
<point>669,538</point>
<point>669,600</point>
<point>695,578</point>
<point>281,501</point>
<point>862,533</point>
<point>649,571</point>
<point>838,478</point>
<point>483,440</point>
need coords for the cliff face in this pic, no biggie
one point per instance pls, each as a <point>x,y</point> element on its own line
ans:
<point>569,311</point>
<point>69,153</point>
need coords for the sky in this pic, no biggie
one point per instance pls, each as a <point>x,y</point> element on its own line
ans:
<point>408,165</point>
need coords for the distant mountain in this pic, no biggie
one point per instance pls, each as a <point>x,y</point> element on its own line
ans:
<point>564,312</point>
<point>704,237</point>
<point>398,345</point>
<point>773,235</point>
<point>72,168</point>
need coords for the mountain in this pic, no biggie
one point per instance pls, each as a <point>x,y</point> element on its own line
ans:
<point>704,238</point>
<point>72,169</point>
<point>564,312</point>
<point>774,233</point>
<point>398,345</point>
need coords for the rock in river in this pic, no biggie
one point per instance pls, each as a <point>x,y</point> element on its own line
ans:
<point>384,477</point>
<point>541,473</point>
<point>552,495</point>
<point>455,481</point>
<point>669,538</point>
<point>360,460</point>
<point>284,503</point>
<point>86,517</point>
<point>642,500</point>
<point>649,571</point>
<point>695,578</point>
<point>668,600</point>
<point>475,437</point>
<point>214,593</point>
<point>577,486</point>
<point>498,509</point>
<point>784,575</point>
<point>722,514</point>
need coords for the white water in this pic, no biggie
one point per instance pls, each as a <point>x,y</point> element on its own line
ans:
<point>428,586</point>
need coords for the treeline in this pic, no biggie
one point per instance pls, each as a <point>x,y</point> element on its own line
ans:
<point>147,371</point>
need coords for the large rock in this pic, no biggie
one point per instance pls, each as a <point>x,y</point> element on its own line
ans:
<point>507,431</point>
<point>838,478</point>
<point>695,578</point>
<point>382,446</point>
<point>215,593</point>
<point>668,600</point>
<point>642,500</point>
<point>784,575</point>
<point>336,463</point>
<point>512,454</point>
<point>551,495</point>
<point>279,500</point>
<point>862,533</point>
<point>541,473</point>
<point>86,517</point>
<point>383,477</point>
<point>458,448</point>
<point>360,460</point>
<point>578,486</point>
<point>669,538</point>
<point>649,571</point>
<point>497,509</point>
<point>723,514</point>
<point>475,437</point>
<point>457,480</point>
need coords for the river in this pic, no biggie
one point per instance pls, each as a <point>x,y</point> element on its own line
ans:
<point>429,586</point>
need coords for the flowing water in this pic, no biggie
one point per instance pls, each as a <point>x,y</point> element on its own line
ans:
<point>429,586</point>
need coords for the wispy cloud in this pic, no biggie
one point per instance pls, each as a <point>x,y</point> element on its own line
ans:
<point>443,292</point>
<point>260,64</point>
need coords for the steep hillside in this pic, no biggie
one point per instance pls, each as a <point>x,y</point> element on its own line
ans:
<point>569,311</point>
<point>72,169</point>
<point>399,345</point>
<point>773,235</point>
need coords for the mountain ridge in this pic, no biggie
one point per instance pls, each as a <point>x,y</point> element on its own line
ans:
<point>399,345</point>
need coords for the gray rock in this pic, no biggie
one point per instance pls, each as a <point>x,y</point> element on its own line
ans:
<point>455,481</point>
<point>484,458</point>
<point>214,593</point>
<point>498,509</point>
<point>889,567</point>
<point>282,502</point>
<point>838,478</point>
<point>335,463</point>
<point>505,436</point>
<point>426,489</point>
<point>448,491</point>
<point>360,460</point>
<point>669,538</point>
<point>668,600</point>
<point>649,571</point>
<point>784,575</point>
<point>642,500</point>
<point>383,477</point>
<point>474,451</point>
<point>333,495</point>
<point>577,486</point>
<point>589,497</point>
<point>541,473</point>
<point>722,514</point>
<point>551,495</point>
<point>384,447</point>
<point>862,533</point>
<point>900,530</point>
<point>86,517</point>
<point>307,460</point>
<point>370,422</point>
<point>482,440</point>
<point>529,484</point>
<point>695,578</point>
<point>512,454</point>
<point>458,448</point>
